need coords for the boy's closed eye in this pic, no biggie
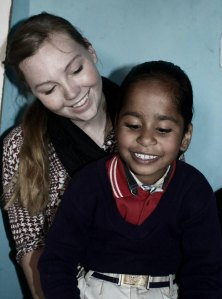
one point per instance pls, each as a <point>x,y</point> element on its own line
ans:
<point>132,126</point>
<point>163,131</point>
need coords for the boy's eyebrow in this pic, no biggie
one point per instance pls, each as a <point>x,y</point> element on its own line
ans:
<point>167,117</point>
<point>65,69</point>
<point>131,113</point>
<point>158,116</point>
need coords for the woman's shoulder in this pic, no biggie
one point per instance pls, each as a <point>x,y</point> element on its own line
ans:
<point>14,138</point>
<point>11,148</point>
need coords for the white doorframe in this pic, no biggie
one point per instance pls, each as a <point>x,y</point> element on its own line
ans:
<point>5,15</point>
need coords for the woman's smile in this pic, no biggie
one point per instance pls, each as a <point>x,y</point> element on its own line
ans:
<point>82,102</point>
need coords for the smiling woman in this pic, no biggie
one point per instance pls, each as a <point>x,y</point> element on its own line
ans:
<point>72,86</point>
<point>69,124</point>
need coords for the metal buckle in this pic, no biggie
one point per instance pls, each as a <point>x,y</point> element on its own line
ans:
<point>134,280</point>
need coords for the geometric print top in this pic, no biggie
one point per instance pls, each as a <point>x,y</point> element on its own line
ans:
<point>29,232</point>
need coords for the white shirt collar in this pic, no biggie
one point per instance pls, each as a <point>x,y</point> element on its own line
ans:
<point>157,186</point>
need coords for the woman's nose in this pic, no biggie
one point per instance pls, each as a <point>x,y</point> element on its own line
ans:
<point>146,138</point>
<point>71,90</point>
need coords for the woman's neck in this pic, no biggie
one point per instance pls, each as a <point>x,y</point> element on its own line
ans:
<point>96,127</point>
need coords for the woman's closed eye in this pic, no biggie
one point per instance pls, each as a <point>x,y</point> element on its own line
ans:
<point>49,91</point>
<point>78,70</point>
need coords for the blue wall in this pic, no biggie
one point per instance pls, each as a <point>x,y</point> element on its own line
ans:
<point>127,32</point>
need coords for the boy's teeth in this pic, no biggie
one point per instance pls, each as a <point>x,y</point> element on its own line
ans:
<point>145,157</point>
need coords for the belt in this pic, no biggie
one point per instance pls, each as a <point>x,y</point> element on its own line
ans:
<point>144,281</point>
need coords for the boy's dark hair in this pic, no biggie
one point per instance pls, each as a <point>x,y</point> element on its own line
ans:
<point>174,79</point>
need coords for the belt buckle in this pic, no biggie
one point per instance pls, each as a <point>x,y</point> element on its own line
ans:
<point>134,280</point>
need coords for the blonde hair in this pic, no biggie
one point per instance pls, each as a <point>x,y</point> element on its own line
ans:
<point>30,186</point>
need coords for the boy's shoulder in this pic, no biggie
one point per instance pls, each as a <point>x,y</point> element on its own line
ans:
<point>189,174</point>
<point>188,168</point>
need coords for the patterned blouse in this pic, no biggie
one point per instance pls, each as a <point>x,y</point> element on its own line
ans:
<point>29,232</point>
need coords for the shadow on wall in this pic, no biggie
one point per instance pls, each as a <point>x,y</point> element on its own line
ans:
<point>218,195</point>
<point>119,74</point>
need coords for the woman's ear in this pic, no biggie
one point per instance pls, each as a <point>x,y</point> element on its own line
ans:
<point>186,138</point>
<point>91,50</point>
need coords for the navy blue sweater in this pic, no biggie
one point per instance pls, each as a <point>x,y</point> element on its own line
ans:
<point>182,236</point>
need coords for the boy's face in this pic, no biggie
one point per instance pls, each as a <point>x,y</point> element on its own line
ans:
<point>150,131</point>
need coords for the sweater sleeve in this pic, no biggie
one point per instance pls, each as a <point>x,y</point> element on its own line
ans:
<point>201,273</point>
<point>66,243</point>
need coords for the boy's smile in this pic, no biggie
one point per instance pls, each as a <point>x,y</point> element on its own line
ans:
<point>150,131</point>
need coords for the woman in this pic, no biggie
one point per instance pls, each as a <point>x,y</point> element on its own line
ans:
<point>68,125</point>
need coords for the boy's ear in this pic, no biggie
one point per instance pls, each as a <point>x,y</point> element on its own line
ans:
<point>186,138</point>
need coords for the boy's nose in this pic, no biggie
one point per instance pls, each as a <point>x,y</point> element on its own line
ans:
<point>146,138</point>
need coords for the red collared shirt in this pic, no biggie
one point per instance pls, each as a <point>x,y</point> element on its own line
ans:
<point>134,208</point>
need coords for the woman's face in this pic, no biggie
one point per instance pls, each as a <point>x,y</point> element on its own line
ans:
<point>62,74</point>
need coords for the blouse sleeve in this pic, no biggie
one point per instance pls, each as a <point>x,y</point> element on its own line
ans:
<point>28,231</point>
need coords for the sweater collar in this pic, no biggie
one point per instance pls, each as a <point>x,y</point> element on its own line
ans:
<point>125,183</point>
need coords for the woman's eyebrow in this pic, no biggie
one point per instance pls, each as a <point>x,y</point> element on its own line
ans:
<point>42,83</point>
<point>71,61</point>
